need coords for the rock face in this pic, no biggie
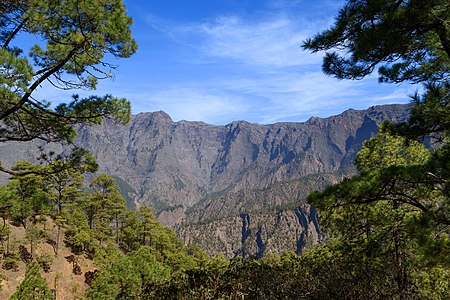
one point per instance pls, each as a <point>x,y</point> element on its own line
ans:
<point>256,234</point>
<point>235,189</point>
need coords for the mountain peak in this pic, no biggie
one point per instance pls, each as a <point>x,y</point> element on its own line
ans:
<point>157,118</point>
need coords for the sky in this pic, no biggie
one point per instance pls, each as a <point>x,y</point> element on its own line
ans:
<point>218,61</point>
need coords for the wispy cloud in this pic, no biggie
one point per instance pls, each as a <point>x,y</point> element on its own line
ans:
<point>272,41</point>
<point>400,94</point>
<point>193,104</point>
<point>297,96</point>
<point>260,70</point>
<point>275,42</point>
<point>263,99</point>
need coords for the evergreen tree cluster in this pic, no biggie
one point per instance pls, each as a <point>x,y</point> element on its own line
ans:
<point>94,223</point>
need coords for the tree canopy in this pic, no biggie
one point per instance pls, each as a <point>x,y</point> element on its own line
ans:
<point>409,40</point>
<point>395,214</point>
<point>74,41</point>
<point>33,286</point>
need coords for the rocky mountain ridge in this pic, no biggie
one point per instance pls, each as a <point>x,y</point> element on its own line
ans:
<point>227,188</point>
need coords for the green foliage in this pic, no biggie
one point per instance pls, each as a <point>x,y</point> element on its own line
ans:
<point>388,150</point>
<point>45,261</point>
<point>10,263</point>
<point>378,216</point>
<point>131,230</point>
<point>78,234</point>
<point>387,233</point>
<point>150,268</point>
<point>394,215</point>
<point>433,283</point>
<point>34,235</point>
<point>149,262</point>
<point>128,276</point>
<point>8,197</point>
<point>430,112</point>
<point>95,218</point>
<point>33,286</point>
<point>63,176</point>
<point>32,198</point>
<point>277,277</point>
<point>153,234</point>
<point>103,206</point>
<point>105,256</point>
<point>76,38</point>
<point>180,262</point>
<point>409,39</point>
<point>117,281</point>
<point>135,254</point>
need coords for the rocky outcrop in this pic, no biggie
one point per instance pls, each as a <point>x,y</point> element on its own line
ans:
<point>207,181</point>
<point>256,234</point>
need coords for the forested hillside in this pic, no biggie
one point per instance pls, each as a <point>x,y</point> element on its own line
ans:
<point>77,243</point>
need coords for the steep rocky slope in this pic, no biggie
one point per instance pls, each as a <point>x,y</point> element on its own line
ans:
<point>258,233</point>
<point>206,180</point>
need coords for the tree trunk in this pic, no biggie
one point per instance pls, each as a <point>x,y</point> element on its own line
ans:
<point>7,244</point>
<point>400,272</point>
<point>58,233</point>
<point>31,250</point>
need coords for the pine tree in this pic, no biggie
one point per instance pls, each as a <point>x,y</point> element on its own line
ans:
<point>408,41</point>
<point>104,206</point>
<point>370,216</point>
<point>130,231</point>
<point>32,199</point>
<point>78,234</point>
<point>129,276</point>
<point>33,286</point>
<point>63,176</point>
<point>76,38</point>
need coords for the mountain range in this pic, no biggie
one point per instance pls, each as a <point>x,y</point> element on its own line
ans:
<point>237,189</point>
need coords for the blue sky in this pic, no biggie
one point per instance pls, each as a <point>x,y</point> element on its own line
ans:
<point>222,60</point>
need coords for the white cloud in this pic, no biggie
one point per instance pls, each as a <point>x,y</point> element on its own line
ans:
<point>262,99</point>
<point>296,97</point>
<point>193,104</point>
<point>273,41</point>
